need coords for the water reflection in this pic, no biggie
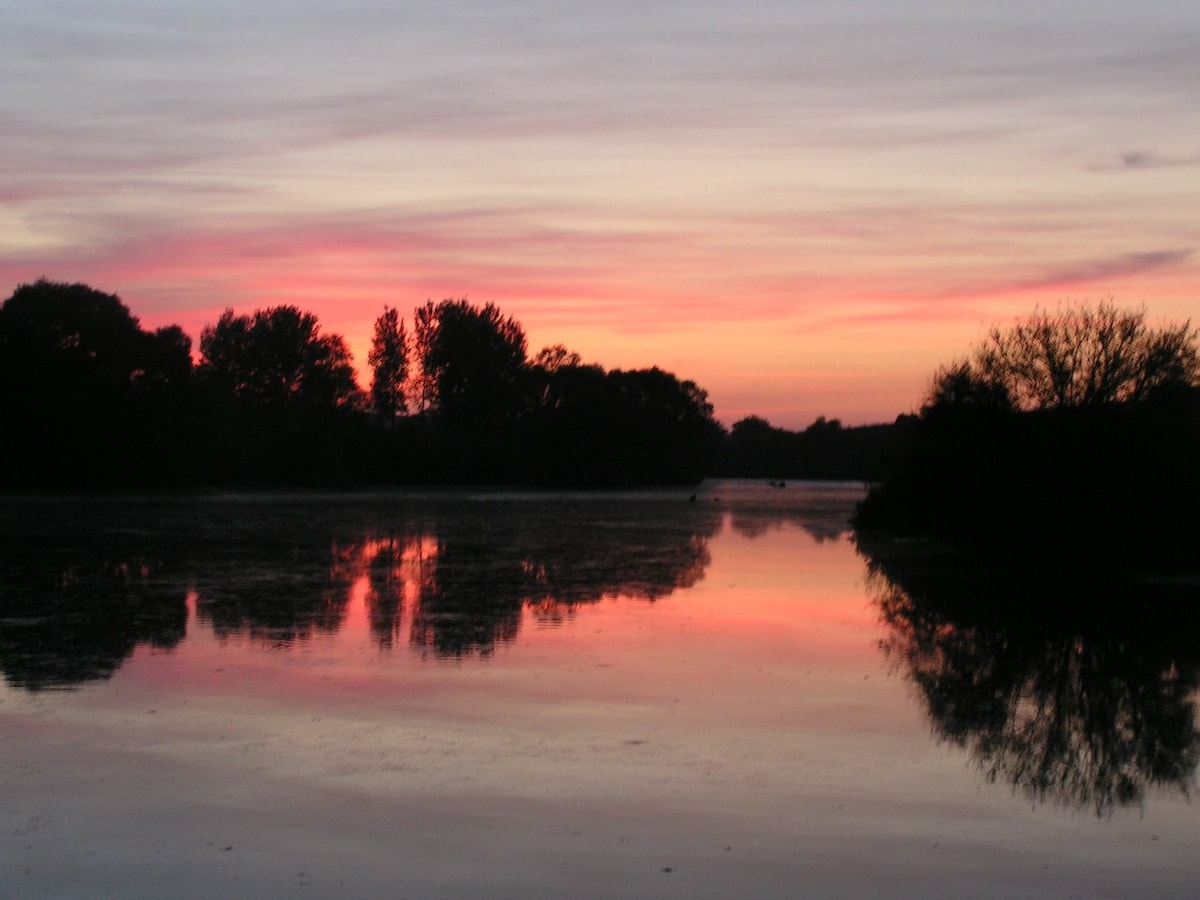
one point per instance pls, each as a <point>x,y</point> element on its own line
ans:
<point>85,582</point>
<point>277,592</point>
<point>62,626</point>
<point>73,606</point>
<point>465,582</point>
<point>819,508</point>
<point>1074,687</point>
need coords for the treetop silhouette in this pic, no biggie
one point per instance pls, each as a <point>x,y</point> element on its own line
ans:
<point>1078,429</point>
<point>389,361</point>
<point>278,357</point>
<point>1074,356</point>
<point>88,399</point>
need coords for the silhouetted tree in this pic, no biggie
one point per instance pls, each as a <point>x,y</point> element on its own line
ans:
<point>1075,356</point>
<point>756,449</point>
<point>83,389</point>
<point>556,357</point>
<point>278,357</point>
<point>388,359</point>
<point>476,358</point>
<point>662,428</point>
<point>567,432</point>
<point>422,389</point>
<point>1076,429</point>
<point>89,399</point>
<point>64,331</point>
<point>280,395</point>
<point>168,360</point>
<point>959,385</point>
<point>824,451</point>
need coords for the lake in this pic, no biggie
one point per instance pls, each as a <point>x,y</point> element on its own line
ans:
<point>708,692</point>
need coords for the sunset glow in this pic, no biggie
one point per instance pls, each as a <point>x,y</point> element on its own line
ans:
<point>803,207</point>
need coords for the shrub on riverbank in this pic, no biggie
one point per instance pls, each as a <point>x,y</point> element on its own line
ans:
<point>1085,437</point>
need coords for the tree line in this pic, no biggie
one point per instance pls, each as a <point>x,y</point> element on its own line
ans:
<point>89,398</point>
<point>1052,428</point>
<point>826,450</point>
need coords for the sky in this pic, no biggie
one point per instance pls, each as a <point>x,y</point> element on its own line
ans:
<point>804,206</point>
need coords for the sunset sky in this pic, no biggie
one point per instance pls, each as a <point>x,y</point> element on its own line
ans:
<point>803,206</point>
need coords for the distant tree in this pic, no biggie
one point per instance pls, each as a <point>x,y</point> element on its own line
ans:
<point>822,425</point>
<point>277,357</point>
<point>388,359</point>
<point>757,449</point>
<point>751,427</point>
<point>1073,357</point>
<point>552,359</point>
<point>475,356</point>
<point>824,450</point>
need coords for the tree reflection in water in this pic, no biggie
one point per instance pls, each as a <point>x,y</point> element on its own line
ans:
<point>84,583</point>
<point>468,581</point>
<point>278,593</point>
<point>85,623</point>
<point>77,596</point>
<point>1076,688</point>
<point>823,513</point>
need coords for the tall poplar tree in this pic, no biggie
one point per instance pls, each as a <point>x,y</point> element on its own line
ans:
<point>388,359</point>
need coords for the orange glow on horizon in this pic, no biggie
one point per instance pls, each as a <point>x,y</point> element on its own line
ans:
<point>781,345</point>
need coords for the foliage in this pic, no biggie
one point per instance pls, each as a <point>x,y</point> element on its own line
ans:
<point>556,357</point>
<point>68,338</point>
<point>824,450</point>
<point>1078,430</point>
<point>959,385</point>
<point>276,357</point>
<point>1075,356</point>
<point>90,399</point>
<point>388,359</point>
<point>589,426</point>
<point>280,397</point>
<point>87,396</point>
<point>475,359</point>
<point>663,426</point>
<point>421,388</point>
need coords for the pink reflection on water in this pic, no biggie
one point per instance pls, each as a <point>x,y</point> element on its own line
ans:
<point>740,728</point>
<point>777,630</point>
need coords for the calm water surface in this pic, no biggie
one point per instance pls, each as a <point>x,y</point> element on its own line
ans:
<point>586,695</point>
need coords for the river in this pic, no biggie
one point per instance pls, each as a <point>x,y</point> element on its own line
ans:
<point>708,692</point>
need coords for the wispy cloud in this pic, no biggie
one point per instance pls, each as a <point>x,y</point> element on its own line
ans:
<point>1143,160</point>
<point>652,174</point>
<point>1089,272</point>
<point>1033,278</point>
